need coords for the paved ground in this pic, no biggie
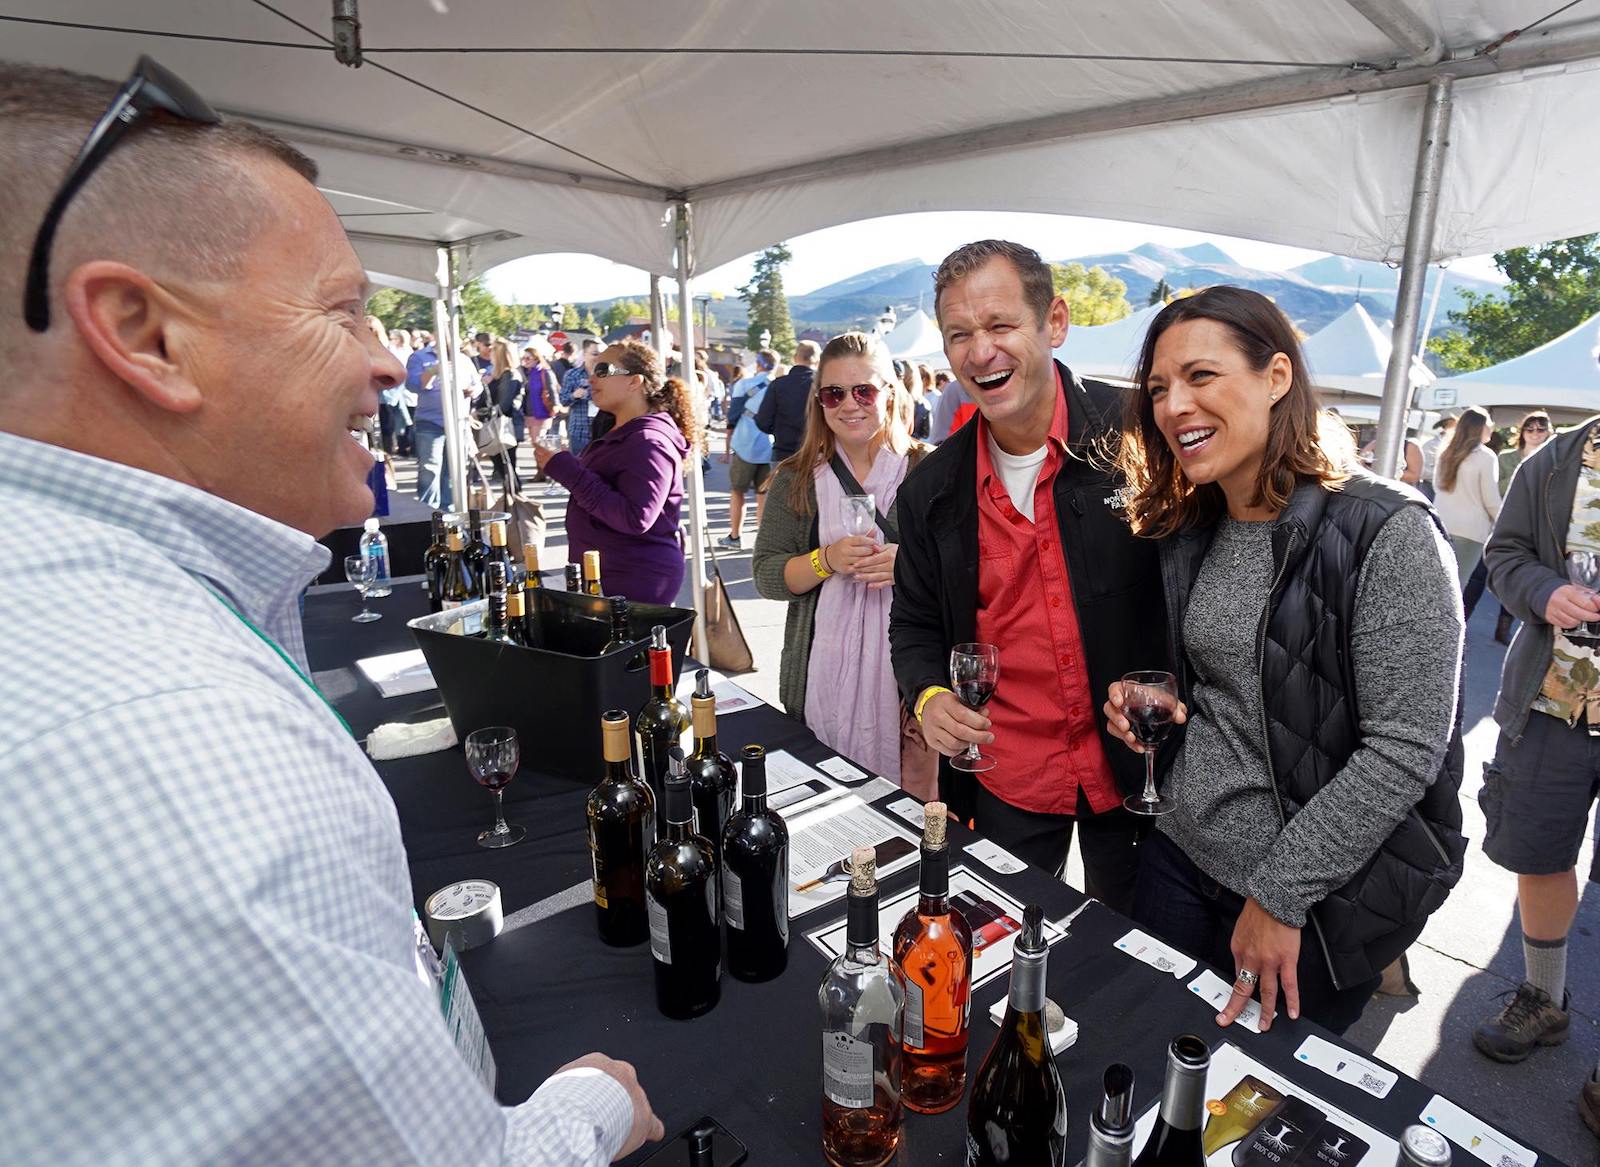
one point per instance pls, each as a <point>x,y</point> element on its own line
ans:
<point>1470,953</point>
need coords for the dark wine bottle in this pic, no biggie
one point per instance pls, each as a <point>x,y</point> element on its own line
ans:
<point>574,578</point>
<point>498,552</point>
<point>455,581</point>
<point>1175,1139</point>
<point>711,772</point>
<point>622,829</point>
<point>496,627</point>
<point>663,720</point>
<point>621,626</point>
<point>681,900</point>
<point>433,562</point>
<point>532,587</point>
<point>516,612</point>
<point>476,550</point>
<point>1111,1123</point>
<point>591,573</point>
<point>1018,1112</point>
<point>933,947</point>
<point>755,878</point>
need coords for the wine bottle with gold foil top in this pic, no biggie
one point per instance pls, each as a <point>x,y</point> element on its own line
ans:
<point>933,947</point>
<point>663,720</point>
<point>863,1001</point>
<point>498,553</point>
<point>532,586</point>
<point>455,580</point>
<point>591,573</point>
<point>711,771</point>
<point>622,829</point>
<point>516,612</point>
<point>1018,1112</point>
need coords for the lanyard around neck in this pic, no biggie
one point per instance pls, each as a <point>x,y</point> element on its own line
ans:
<point>277,648</point>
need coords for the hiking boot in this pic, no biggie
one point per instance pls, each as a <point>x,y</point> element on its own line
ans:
<point>1589,1104</point>
<point>1531,1019</point>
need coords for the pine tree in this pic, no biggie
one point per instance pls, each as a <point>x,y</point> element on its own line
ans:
<point>769,307</point>
<point>1161,293</point>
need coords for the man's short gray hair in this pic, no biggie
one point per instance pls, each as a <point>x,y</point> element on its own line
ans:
<point>174,197</point>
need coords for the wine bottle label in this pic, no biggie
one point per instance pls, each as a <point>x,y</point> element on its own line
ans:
<point>847,1070</point>
<point>913,1023</point>
<point>600,900</point>
<point>660,938</point>
<point>733,899</point>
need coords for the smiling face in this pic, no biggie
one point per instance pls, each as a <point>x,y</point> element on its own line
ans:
<point>852,423</point>
<point>1001,352</point>
<point>614,393</point>
<point>1212,408</point>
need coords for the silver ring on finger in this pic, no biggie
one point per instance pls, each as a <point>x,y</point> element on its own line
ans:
<point>1246,978</point>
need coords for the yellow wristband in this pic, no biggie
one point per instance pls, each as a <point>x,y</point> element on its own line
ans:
<point>816,564</point>
<point>928,694</point>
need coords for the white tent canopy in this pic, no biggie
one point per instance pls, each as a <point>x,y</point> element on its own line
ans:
<point>1561,376</point>
<point>1107,350</point>
<point>916,338</point>
<point>637,105</point>
<point>1350,355</point>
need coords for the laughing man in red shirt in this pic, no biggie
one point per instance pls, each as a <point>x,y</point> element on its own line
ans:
<point>1011,533</point>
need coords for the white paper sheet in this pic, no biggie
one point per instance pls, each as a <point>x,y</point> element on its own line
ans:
<point>397,673</point>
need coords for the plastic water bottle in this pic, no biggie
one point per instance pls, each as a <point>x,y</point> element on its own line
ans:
<point>375,546</point>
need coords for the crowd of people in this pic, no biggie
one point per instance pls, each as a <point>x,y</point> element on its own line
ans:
<point>1211,523</point>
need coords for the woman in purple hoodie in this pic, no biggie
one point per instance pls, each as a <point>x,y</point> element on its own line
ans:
<point>627,487</point>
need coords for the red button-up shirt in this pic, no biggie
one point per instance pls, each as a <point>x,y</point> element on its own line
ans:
<point>1046,739</point>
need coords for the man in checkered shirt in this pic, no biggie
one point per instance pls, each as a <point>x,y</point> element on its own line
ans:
<point>209,937</point>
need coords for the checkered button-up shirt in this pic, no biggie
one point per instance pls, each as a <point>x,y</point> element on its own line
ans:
<point>209,941</point>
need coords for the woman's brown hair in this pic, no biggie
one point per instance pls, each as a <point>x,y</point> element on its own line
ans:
<point>817,447</point>
<point>1468,436</point>
<point>661,393</point>
<point>1163,500</point>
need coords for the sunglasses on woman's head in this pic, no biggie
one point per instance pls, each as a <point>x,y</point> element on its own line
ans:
<point>832,396</point>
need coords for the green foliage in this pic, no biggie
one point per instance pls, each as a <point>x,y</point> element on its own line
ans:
<point>588,323</point>
<point>399,309</point>
<point>1094,295</point>
<point>481,312</point>
<point>1161,293</point>
<point>1552,289</point>
<point>769,307</point>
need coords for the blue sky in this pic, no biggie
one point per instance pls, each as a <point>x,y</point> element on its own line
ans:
<point>822,257</point>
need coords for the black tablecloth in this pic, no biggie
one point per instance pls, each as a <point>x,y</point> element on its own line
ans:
<point>549,991</point>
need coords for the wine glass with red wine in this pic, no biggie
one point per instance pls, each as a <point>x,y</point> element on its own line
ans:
<point>492,757</point>
<point>1149,700</point>
<point>974,671</point>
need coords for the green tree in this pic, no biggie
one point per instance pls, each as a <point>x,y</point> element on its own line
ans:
<point>1552,289</point>
<point>769,307</point>
<point>588,323</point>
<point>399,309</point>
<point>1161,293</point>
<point>1094,295</point>
<point>619,312</point>
<point>482,312</point>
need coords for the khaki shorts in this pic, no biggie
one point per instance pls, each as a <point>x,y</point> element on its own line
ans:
<point>743,476</point>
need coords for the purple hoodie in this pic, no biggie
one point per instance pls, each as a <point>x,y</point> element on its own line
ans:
<point>627,492</point>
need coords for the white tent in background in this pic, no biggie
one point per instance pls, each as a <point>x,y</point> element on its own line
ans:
<point>1560,376</point>
<point>1107,350</point>
<point>917,338</point>
<point>1350,354</point>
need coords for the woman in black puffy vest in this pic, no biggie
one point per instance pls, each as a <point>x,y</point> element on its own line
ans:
<point>1317,619</point>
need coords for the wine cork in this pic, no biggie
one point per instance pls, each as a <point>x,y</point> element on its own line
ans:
<point>863,868</point>
<point>934,824</point>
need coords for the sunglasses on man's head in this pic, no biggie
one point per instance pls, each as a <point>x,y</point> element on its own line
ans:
<point>832,396</point>
<point>609,369</point>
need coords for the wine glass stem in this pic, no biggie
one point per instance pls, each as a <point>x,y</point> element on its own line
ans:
<point>500,827</point>
<point>1149,774</point>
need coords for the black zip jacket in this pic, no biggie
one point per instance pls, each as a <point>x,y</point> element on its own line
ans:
<point>1115,577</point>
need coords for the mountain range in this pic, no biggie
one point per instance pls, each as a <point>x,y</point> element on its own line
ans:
<point>1312,294</point>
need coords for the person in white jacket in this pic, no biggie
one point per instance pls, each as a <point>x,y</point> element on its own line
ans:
<point>1466,486</point>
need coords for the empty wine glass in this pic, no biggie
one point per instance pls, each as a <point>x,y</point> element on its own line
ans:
<point>362,571</point>
<point>859,513</point>
<point>1583,569</point>
<point>974,671</point>
<point>492,757</point>
<point>1149,701</point>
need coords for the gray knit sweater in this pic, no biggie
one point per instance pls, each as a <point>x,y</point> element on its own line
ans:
<point>1405,641</point>
<point>785,533</point>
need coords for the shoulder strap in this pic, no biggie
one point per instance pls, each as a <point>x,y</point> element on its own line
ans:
<point>841,471</point>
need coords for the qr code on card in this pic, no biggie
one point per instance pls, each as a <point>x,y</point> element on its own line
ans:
<point>1508,1161</point>
<point>1371,1084</point>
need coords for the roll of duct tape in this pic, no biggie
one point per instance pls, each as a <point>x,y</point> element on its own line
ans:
<point>467,914</point>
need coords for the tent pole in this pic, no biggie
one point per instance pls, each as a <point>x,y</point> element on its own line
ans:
<point>697,486</point>
<point>1413,271</point>
<point>1433,310</point>
<point>658,320</point>
<point>446,313</point>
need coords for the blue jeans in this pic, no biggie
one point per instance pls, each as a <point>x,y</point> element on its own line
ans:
<point>1189,910</point>
<point>433,467</point>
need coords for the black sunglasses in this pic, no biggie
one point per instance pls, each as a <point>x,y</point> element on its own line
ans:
<point>1536,425</point>
<point>148,90</point>
<point>832,396</point>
